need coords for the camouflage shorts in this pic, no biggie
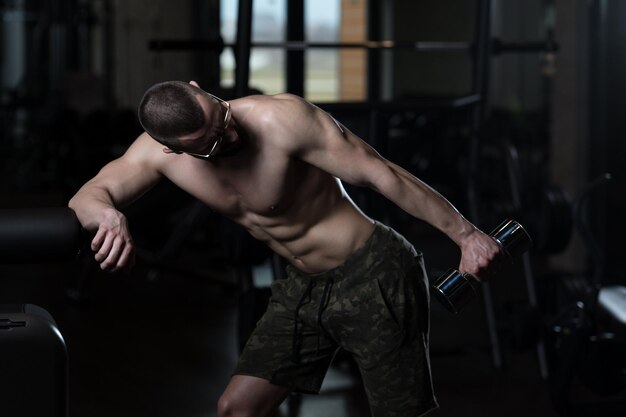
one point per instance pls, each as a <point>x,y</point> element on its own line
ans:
<point>375,306</point>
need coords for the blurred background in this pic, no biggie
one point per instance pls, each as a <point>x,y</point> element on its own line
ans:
<point>508,108</point>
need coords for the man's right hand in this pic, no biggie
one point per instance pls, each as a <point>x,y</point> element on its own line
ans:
<point>113,244</point>
<point>480,255</point>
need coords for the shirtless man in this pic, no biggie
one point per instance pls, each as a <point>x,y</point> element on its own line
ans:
<point>274,164</point>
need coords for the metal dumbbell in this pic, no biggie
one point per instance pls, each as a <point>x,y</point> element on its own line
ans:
<point>454,289</point>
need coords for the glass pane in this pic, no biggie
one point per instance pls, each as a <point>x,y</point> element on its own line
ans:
<point>267,65</point>
<point>321,78</point>
<point>228,23</point>
<point>267,72</point>
<point>268,20</point>
<point>322,19</point>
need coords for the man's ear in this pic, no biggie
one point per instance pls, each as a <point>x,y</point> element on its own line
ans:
<point>195,84</point>
<point>168,150</point>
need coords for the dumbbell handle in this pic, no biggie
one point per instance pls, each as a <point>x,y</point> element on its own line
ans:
<point>455,290</point>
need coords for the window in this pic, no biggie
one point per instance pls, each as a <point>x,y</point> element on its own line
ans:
<point>267,65</point>
<point>330,74</point>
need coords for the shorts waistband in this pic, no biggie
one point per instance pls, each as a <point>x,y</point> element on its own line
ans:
<point>379,243</point>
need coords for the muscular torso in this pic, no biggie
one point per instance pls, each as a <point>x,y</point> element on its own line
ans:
<point>298,210</point>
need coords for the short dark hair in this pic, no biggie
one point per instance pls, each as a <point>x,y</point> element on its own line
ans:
<point>169,110</point>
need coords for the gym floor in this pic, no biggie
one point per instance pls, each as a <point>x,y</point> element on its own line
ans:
<point>165,344</point>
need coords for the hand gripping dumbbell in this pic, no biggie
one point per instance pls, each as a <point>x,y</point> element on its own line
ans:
<point>454,289</point>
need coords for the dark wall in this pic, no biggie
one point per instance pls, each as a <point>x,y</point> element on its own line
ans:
<point>432,73</point>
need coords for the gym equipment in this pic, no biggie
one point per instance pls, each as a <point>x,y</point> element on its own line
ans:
<point>551,221</point>
<point>419,46</point>
<point>455,289</point>
<point>33,363</point>
<point>39,235</point>
<point>33,355</point>
<point>587,330</point>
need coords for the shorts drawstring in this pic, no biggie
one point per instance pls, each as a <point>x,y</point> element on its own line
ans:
<point>323,304</point>
<point>297,337</point>
<point>297,329</point>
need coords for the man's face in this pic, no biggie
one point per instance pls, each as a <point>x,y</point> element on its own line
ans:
<point>207,140</point>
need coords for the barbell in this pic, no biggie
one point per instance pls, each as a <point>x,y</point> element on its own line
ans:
<point>497,47</point>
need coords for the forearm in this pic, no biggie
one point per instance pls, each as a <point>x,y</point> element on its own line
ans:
<point>96,210</point>
<point>93,205</point>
